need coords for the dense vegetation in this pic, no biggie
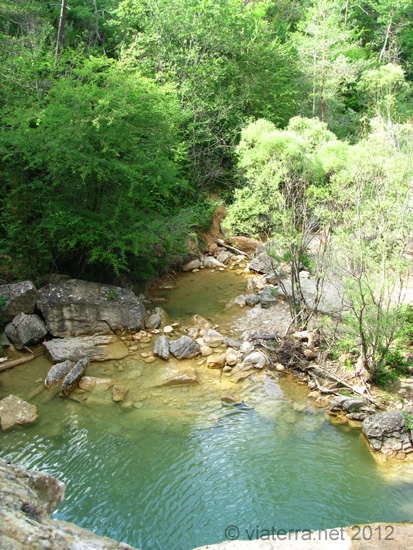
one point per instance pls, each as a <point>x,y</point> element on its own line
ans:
<point>118,120</point>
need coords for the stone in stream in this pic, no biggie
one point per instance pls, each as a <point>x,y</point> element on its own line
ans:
<point>387,432</point>
<point>119,393</point>
<point>212,338</point>
<point>224,256</point>
<point>252,300</point>
<point>75,374</point>
<point>193,264</point>
<point>239,301</point>
<point>254,360</point>
<point>185,378</point>
<point>18,298</point>
<point>14,411</point>
<point>200,323</point>
<point>216,361</point>
<point>89,383</point>
<point>213,263</point>
<point>184,348</point>
<point>57,372</point>
<point>161,348</point>
<point>25,330</point>
<point>232,357</point>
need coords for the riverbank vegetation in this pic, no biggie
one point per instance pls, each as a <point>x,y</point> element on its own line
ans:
<point>119,117</point>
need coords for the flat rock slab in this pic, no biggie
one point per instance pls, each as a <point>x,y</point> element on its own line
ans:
<point>75,308</point>
<point>180,377</point>
<point>96,348</point>
<point>331,302</point>
<point>19,298</point>
<point>14,411</point>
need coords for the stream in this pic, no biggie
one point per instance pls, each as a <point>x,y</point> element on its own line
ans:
<point>174,467</point>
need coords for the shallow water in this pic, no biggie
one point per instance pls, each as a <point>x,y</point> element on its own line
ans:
<point>173,467</point>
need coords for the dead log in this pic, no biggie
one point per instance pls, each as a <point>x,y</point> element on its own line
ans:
<point>16,362</point>
<point>232,248</point>
<point>346,385</point>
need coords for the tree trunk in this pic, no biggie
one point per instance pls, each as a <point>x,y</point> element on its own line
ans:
<point>62,18</point>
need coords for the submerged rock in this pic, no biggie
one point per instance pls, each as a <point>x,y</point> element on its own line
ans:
<point>89,383</point>
<point>75,374</point>
<point>75,308</point>
<point>184,348</point>
<point>25,330</point>
<point>97,348</point>
<point>216,361</point>
<point>57,372</point>
<point>14,411</point>
<point>185,378</point>
<point>161,348</point>
<point>388,433</point>
<point>18,298</point>
<point>119,393</point>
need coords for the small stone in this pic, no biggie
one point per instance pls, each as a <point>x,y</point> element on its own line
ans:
<point>322,401</point>
<point>227,369</point>
<point>206,350</point>
<point>149,359</point>
<point>133,348</point>
<point>212,338</point>
<point>119,393</point>
<point>232,357</point>
<point>161,348</point>
<point>168,329</point>
<point>314,395</point>
<point>216,361</point>
<point>194,264</point>
<point>281,368</point>
<point>228,398</point>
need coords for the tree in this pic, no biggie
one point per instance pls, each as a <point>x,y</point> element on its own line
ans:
<point>372,238</point>
<point>226,62</point>
<point>285,185</point>
<point>323,42</point>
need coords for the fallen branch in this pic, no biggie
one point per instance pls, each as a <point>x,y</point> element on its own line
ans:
<point>354,390</point>
<point>232,248</point>
<point>321,388</point>
<point>16,362</point>
<point>265,337</point>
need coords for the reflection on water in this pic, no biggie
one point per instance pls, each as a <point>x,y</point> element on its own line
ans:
<point>172,467</point>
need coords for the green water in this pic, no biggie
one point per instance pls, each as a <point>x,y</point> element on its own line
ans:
<point>173,467</point>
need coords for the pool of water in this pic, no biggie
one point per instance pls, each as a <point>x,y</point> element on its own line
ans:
<point>173,467</point>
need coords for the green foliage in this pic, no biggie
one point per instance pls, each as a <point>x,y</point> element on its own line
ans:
<point>409,419</point>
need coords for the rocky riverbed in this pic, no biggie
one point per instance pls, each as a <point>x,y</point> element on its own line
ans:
<point>218,359</point>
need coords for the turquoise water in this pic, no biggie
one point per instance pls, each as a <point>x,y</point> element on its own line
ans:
<point>173,467</point>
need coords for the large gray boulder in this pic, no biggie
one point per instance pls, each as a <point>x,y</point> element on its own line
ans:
<point>25,330</point>
<point>18,298</point>
<point>263,263</point>
<point>184,348</point>
<point>72,378</point>
<point>387,432</point>
<point>332,295</point>
<point>161,347</point>
<point>14,411</point>
<point>98,348</point>
<point>75,308</point>
<point>26,501</point>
